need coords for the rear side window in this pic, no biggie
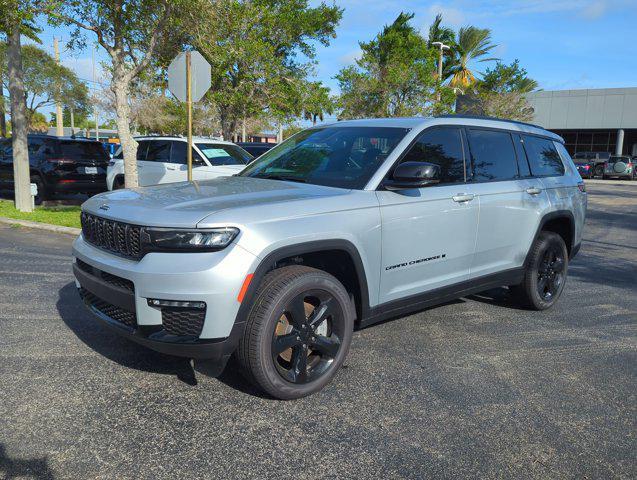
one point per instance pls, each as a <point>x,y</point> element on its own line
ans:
<point>493,155</point>
<point>158,151</point>
<point>544,159</point>
<point>443,147</point>
<point>82,150</point>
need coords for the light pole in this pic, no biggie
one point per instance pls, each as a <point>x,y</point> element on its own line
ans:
<point>442,48</point>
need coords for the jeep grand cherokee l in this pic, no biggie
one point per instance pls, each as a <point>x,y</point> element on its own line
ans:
<point>340,226</point>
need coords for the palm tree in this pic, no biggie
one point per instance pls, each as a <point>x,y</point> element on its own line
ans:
<point>472,44</point>
<point>437,33</point>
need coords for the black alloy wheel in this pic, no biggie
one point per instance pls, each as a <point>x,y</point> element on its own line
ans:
<point>308,336</point>
<point>550,274</point>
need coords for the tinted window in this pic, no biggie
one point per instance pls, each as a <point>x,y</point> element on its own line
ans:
<point>220,154</point>
<point>441,146</point>
<point>325,156</point>
<point>82,150</point>
<point>34,145</point>
<point>493,155</point>
<point>615,159</point>
<point>178,154</point>
<point>543,157</point>
<point>158,151</point>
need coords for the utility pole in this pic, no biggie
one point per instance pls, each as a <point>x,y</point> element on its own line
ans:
<point>59,126</point>
<point>442,47</point>
<point>72,122</point>
<point>97,126</point>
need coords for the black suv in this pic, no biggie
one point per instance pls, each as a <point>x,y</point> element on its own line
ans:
<point>58,164</point>
<point>256,149</point>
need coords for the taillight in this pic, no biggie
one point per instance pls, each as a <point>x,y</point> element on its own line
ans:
<point>587,167</point>
<point>60,161</point>
<point>582,187</point>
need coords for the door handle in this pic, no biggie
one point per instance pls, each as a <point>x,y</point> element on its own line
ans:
<point>463,197</point>
<point>533,191</point>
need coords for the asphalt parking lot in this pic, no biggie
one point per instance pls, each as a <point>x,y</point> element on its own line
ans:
<point>474,388</point>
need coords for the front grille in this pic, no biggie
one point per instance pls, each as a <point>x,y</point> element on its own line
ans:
<point>112,311</point>
<point>116,237</point>
<point>182,321</point>
<point>107,277</point>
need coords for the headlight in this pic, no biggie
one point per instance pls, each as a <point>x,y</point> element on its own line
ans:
<point>164,239</point>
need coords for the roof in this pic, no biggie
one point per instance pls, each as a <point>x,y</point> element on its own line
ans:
<point>468,120</point>
<point>183,139</point>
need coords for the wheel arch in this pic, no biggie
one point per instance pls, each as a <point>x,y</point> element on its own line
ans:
<point>338,257</point>
<point>561,222</point>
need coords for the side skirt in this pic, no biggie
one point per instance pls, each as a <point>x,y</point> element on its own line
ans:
<point>414,303</point>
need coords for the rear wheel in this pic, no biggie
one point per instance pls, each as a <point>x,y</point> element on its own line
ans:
<point>298,332</point>
<point>545,274</point>
<point>599,170</point>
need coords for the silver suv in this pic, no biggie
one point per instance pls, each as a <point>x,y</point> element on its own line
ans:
<point>341,226</point>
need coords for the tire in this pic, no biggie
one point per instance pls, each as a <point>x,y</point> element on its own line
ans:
<point>43,194</point>
<point>545,274</point>
<point>298,332</point>
<point>118,183</point>
<point>599,171</point>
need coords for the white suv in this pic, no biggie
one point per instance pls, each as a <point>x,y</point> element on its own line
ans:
<point>163,160</point>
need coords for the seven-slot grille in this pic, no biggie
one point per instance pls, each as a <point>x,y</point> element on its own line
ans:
<point>117,237</point>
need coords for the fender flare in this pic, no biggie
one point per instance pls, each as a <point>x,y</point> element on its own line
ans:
<point>270,260</point>
<point>557,214</point>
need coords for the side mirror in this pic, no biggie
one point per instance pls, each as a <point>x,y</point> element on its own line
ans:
<point>413,175</point>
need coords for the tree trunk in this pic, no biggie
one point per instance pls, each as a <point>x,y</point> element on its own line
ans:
<point>21,178</point>
<point>3,119</point>
<point>122,109</point>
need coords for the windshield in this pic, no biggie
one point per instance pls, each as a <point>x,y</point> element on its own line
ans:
<point>618,159</point>
<point>335,156</point>
<point>221,154</point>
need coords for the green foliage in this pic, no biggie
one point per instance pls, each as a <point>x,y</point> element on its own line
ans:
<point>473,44</point>
<point>394,77</point>
<point>23,12</point>
<point>438,33</point>
<point>261,53</point>
<point>317,102</point>
<point>507,78</point>
<point>38,123</point>
<point>45,80</point>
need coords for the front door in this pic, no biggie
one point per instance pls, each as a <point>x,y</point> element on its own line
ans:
<point>429,234</point>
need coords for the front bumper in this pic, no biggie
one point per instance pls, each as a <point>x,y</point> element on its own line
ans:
<point>117,291</point>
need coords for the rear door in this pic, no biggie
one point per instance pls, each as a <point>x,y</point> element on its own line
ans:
<point>511,201</point>
<point>155,163</point>
<point>428,234</point>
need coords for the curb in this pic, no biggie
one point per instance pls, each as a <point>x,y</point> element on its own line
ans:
<point>41,226</point>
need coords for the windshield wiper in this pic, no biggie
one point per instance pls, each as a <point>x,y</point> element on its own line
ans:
<point>280,177</point>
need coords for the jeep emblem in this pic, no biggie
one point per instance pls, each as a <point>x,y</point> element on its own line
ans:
<point>104,207</point>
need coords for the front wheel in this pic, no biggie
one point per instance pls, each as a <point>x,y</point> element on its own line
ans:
<point>545,274</point>
<point>298,332</point>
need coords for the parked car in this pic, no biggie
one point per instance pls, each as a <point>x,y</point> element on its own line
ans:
<point>163,160</point>
<point>620,166</point>
<point>342,225</point>
<point>58,164</point>
<point>584,168</point>
<point>256,149</point>
<point>595,159</point>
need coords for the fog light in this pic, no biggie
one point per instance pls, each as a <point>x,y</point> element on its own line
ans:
<point>154,302</point>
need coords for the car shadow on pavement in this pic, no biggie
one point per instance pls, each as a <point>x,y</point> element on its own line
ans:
<point>131,355</point>
<point>112,346</point>
<point>23,468</point>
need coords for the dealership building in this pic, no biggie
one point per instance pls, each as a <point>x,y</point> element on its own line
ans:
<point>596,120</point>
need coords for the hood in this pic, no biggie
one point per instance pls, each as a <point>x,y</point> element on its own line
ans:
<point>186,204</point>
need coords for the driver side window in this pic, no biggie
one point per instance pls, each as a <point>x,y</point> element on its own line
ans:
<point>443,147</point>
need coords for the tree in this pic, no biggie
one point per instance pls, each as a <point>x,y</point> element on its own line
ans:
<point>473,44</point>
<point>500,93</point>
<point>394,77</point>
<point>261,52</point>
<point>131,32</point>
<point>317,102</point>
<point>38,123</point>
<point>438,33</point>
<point>16,19</point>
<point>45,81</point>
<point>507,78</point>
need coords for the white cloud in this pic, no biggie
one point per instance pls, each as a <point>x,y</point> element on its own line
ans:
<point>594,10</point>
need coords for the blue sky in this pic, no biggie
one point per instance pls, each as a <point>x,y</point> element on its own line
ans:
<point>564,44</point>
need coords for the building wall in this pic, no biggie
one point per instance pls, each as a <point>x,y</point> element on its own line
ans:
<point>585,109</point>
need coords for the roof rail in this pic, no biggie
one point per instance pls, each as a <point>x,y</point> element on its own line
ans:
<point>485,117</point>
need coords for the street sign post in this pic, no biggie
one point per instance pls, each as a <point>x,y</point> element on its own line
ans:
<point>189,78</point>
